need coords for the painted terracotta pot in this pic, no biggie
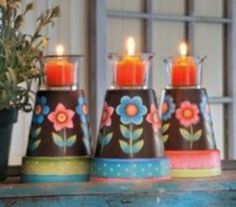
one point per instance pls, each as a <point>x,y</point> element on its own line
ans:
<point>187,132</point>
<point>129,146</point>
<point>59,138</point>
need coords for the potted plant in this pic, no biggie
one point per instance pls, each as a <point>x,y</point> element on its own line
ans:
<point>20,65</point>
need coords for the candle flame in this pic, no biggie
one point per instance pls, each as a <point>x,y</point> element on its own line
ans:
<point>183,49</point>
<point>60,50</point>
<point>130,45</point>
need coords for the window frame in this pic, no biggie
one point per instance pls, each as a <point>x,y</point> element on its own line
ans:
<point>98,56</point>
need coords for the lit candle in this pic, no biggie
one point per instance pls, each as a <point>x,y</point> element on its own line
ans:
<point>59,71</point>
<point>130,71</point>
<point>184,70</point>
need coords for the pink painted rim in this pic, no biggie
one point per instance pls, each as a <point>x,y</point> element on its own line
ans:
<point>101,179</point>
<point>194,159</point>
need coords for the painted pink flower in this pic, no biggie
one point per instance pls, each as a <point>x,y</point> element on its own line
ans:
<point>153,118</point>
<point>187,113</point>
<point>106,115</point>
<point>61,117</point>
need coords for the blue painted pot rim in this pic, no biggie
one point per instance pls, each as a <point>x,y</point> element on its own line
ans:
<point>130,168</point>
<point>56,158</point>
<point>53,178</point>
<point>113,160</point>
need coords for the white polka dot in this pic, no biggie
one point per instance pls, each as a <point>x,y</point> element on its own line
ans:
<point>51,163</point>
<point>36,162</point>
<point>126,169</point>
<point>143,169</point>
<point>149,164</point>
<point>150,173</point>
<point>135,175</point>
<point>105,164</point>
<point>118,165</point>
<point>99,169</point>
<point>111,169</point>
<point>118,174</point>
<point>104,173</point>
<point>156,169</point>
<point>134,165</point>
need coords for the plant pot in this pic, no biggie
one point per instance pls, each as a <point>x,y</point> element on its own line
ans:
<point>8,118</point>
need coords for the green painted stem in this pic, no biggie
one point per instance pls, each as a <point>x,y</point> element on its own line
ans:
<point>131,140</point>
<point>191,142</point>
<point>65,138</point>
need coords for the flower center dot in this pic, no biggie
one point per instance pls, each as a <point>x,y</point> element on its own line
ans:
<point>104,115</point>
<point>188,113</point>
<point>85,109</point>
<point>61,117</point>
<point>164,107</point>
<point>155,117</point>
<point>131,110</point>
<point>38,109</point>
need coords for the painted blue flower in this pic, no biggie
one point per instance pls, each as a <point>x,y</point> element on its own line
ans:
<point>167,108</point>
<point>131,110</point>
<point>82,110</point>
<point>41,110</point>
<point>205,108</point>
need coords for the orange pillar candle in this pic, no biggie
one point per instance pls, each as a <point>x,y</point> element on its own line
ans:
<point>184,70</point>
<point>130,70</point>
<point>59,71</point>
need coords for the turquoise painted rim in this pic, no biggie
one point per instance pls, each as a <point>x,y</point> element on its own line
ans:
<point>53,178</point>
<point>130,168</point>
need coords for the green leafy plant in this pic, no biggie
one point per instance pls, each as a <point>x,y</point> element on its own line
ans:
<point>20,54</point>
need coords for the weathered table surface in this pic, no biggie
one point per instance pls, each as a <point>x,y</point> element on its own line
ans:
<point>217,191</point>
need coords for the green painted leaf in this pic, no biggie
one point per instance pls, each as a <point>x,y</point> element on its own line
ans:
<point>197,135</point>
<point>125,131</point>
<point>124,146</point>
<point>57,139</point>
<point>137,133</point>
<point>71,141</point>
<point>165,127</point>
<point>36,132</point>
<point>164,138</point>
<point>107,138</point>
<point>100,139</point>
<point>137,146</point>
<point>35,144</point>
<point>185,134</point>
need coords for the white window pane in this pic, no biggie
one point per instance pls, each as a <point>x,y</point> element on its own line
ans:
<point>208,8</point>
<point>218,125</point>
<point>209,41</point>
<point>125,5</point>
<point>169,6</point>
<point>166,39</point>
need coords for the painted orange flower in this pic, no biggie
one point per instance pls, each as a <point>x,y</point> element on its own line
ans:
<point>61,117</point>
<point>153,118</point>
<point>187,113</point>
<point>106,115</point>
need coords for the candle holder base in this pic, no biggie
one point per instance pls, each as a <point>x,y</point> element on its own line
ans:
<point>55,169</point>
<point>120,170</point>
<point>194,163</point>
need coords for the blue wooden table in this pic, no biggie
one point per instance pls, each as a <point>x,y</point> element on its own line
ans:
<point>218,191</point>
